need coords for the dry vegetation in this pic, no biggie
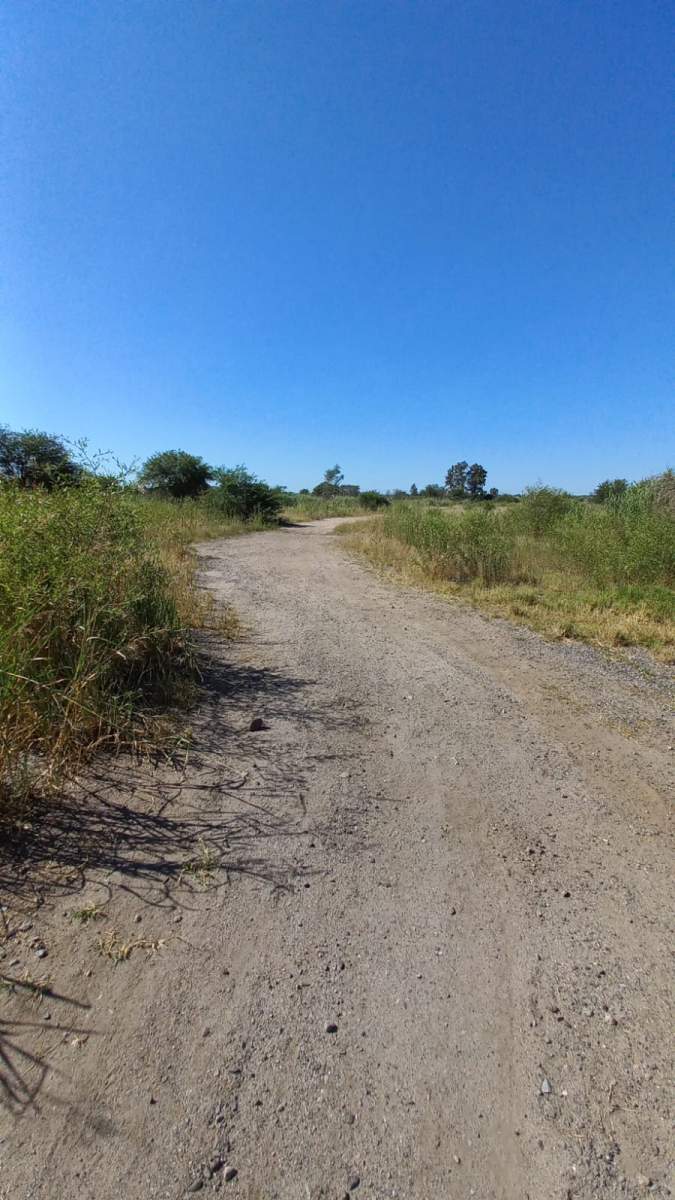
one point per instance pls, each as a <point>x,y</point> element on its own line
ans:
<point>97,604</point>
<point>601,573</point>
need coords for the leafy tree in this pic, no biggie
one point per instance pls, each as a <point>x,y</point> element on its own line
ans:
<point>175,473</point>
<point>456,479</point>
<point>610,489</point>
<point>330,484</point>
<point>399,494</point>
<point>241,494</point>
<point>349,489</point>
<point>35,459</point>
<point>413,489</point>
<point>493,493</point>
<point>475,481</point>
<point>434,491</point>
<point>303,492</point>
<point>373,500</point>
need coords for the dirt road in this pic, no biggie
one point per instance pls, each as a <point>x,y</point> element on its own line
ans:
<point>409,940</point>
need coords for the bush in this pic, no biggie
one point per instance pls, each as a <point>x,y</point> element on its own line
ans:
<point>239,494</point>
<point>89,633</point>
<point>175,473</point>
<point>371,501</point>
<point>35,459</point>
<point>540,509</point>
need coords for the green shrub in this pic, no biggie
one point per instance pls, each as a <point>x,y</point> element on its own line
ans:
<point>540,509</point>
<point>240,494</point>
<point>371,501</point>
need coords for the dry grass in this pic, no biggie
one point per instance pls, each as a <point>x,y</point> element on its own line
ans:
<point>558,605</point>
<point>118,949</point>
<point>172,528</point>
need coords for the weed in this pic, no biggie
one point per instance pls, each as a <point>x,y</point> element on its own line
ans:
<point>37,988</point>
<point>90,912</point>
<point>201,869</point>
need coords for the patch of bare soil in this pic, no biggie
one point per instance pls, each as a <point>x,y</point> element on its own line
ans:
<point>408,939</point>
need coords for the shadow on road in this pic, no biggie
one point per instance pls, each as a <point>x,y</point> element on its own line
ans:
<point>233,805</point>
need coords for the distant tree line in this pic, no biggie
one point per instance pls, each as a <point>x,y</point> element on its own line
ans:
<point>31,458</point>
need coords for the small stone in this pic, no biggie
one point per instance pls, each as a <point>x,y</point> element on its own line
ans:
<point>138,918</point>
<point>196,1186</point>
<point>546,1088</point>
<point>41,953</point>
<point>216,1164</point>
<point>206,1032</point>
<point>331,1027</point>
<point>354,1183</point>
<point>643,1181</point>
<point>257,724</point>
<point>178,918</point>
<point>230,1174</point>
<point>456,1159</point>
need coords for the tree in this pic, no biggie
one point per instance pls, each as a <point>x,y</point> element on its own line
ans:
<point>456,480</point>
<point>610,489</point>
<point>35,459</point>
<point>349,489</point>
<point>175,473</point>
<point>434,491</point>
<point>493,493</point>
<point>333,476</point>
<point>241,494</point>
<point>475,481</point>
<point>413,489</point>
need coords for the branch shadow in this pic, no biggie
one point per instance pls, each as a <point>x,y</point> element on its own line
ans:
<point>22,1071</point>
<point>163,832</point>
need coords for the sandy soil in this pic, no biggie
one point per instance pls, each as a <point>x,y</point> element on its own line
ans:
<point>409,940</point>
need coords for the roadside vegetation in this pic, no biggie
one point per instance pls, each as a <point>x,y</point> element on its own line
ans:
<point>98,601</point>
<point>600,571</point>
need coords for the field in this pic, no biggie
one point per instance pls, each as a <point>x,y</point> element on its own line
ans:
<point>568,568</point>
<point>98,597</point>
<point>317,508</point>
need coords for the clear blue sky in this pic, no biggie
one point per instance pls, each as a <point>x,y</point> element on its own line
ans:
<point>381,233</point>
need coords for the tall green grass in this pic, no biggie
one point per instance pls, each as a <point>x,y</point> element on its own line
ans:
<point>89,630</point>
<point>316,508</point>
<point>97,600</point>
<point>600,571</point>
